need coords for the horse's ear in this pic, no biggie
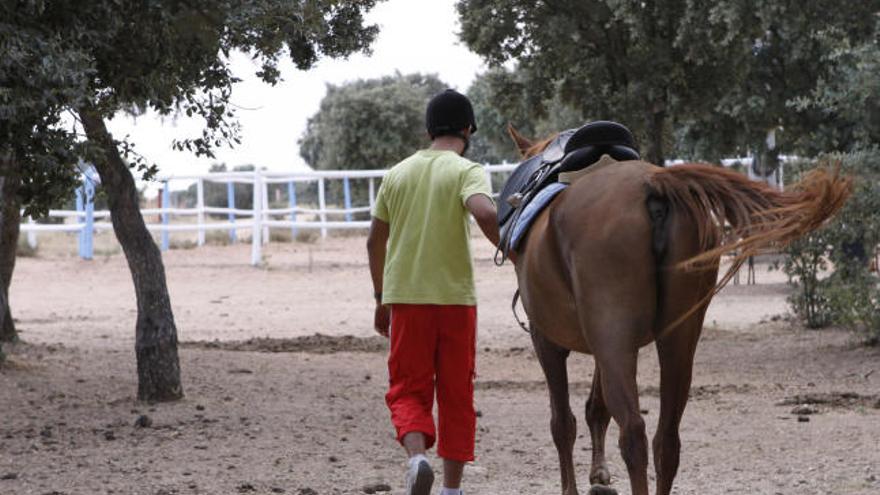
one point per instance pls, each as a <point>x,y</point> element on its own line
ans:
<point>522,144</point>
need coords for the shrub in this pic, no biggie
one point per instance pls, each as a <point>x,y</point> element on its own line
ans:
<point>849,296</point>
<point>804,264</point>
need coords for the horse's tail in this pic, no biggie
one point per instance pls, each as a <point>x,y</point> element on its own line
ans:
<point>758,215</point>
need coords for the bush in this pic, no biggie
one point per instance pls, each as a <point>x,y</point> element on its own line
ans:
<point>849,296</point>
<point>855,303</point>
<point>804,264</point>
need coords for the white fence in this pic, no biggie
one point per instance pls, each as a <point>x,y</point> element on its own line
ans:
<point>259,218</point>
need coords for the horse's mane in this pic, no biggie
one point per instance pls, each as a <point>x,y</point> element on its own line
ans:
<point>538,146</point>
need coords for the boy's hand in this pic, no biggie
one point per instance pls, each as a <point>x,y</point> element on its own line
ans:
<point>382,319</point>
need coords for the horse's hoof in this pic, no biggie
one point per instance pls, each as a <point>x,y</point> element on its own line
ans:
<point>600,476</point>
<point>601,490</point>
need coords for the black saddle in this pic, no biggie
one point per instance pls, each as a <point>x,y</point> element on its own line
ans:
<point>571,150</point>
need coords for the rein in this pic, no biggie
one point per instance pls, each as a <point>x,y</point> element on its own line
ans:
<point>522,325</point>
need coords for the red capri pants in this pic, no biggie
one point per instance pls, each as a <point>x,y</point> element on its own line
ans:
<point>433,347</point>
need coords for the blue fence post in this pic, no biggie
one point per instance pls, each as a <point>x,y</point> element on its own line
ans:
<point>230,203</point>
<point>346,191</point>
<point>80,218</point>
<point>89,229</point>
<point>291,197</point>
<point>166,199</point>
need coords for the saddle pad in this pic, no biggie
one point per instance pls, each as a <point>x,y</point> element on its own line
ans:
<point>541,200</point>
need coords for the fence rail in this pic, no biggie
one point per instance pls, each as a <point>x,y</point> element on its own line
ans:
<point>259,219</point>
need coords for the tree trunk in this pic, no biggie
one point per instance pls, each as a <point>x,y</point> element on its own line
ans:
<point>656,123</point>
<point>158,365</point>
<point>3,307</point>
<point>10,219</point>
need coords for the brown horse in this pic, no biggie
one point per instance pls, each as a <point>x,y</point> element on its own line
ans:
<point>629,255</point>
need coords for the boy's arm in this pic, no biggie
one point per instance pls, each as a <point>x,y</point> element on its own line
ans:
<point>377,241</point>
<point>483,210</point>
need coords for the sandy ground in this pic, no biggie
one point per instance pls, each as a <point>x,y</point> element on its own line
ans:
<point>271,407</point>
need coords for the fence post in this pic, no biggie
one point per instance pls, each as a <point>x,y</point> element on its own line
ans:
<point>257,215</point>
<point>372,193</point>
<point>230,203</point>
<point>346,192</point>
<point>32,235</point>
<point>89,228</point>
<point>200,206</point>
<point>166,198</point>
<point>80,217</point>
<point>291,197</point>
<point>322,206</point>
<point>265,195</point>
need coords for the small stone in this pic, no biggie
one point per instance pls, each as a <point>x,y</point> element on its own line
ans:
<point>307,491</point>
<point>803,419</point>
<point>200,407</point>
<point>143,421</point>
<point>333,458</point>
<point>804,410</point>
<point>276,489</point>
<point>376,487</point>
<point>479,413</point>
<point>9,476</point>
<point>246,488</point>
<point>109,435</point>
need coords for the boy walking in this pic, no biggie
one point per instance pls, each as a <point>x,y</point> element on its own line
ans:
<point>420,263</point>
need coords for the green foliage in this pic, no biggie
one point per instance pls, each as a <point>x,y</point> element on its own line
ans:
<point>849,295</point>
<point>847,99</point>
<point>705,78</point>
<point>167,56</point>
<point>368,124</point>
<point>800,52</point>
<point>34,148</point>
<point>804,265</point>
<point>646,64</point>
<point>500,98</point>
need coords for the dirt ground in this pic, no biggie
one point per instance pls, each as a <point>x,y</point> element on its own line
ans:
<point>284,383</point>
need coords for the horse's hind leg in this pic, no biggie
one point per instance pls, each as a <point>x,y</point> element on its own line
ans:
<point>597,420</point>
<point>619,388</point>
<point>562,423</point>
<point>676,353</point>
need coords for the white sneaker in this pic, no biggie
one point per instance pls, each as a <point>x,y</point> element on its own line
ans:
<point>419,478</point>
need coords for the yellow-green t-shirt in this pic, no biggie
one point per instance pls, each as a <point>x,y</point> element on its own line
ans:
<point>428,258</point>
